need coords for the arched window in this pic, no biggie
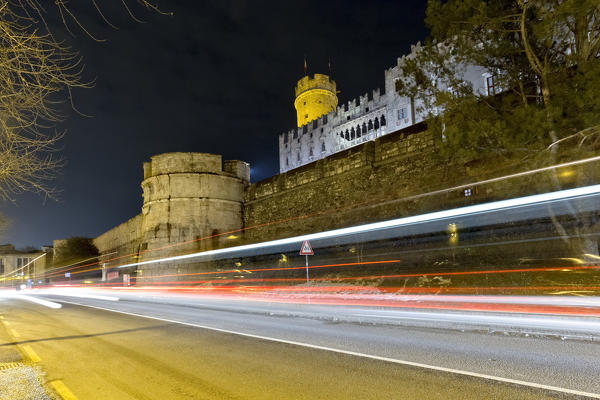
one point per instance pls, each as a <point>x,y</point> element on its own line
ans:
<point>382,120</point>
<point>287,162</point>
<point>298,156</point>
<point>347,135</point>
<point>376,124</point>
<point>364,128</point>
<point>370,125</point>
<point>323,147</point>
<point>357,131</point>
<point>310,152</point>
<point>352,134</point>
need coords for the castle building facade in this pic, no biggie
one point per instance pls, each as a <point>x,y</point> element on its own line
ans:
<point>326,128</point>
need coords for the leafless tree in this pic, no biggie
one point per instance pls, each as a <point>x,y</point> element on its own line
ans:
<point>37,76</point>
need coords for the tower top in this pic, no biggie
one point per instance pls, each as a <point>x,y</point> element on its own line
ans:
<point>315,96</point>
<point>317,81</point>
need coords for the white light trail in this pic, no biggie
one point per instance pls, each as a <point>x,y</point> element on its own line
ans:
<point>498,179</point>
<point>394,223</point>
<point>56,269</point>
<point>17,270</point>
<point>69,292</point>
<point>42,302</point>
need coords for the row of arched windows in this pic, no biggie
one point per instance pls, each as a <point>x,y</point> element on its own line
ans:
<point>358,131</point>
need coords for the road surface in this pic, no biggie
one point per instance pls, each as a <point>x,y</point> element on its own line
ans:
<point>250,352</point>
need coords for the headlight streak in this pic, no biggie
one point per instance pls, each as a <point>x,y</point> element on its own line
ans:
<point>393,296</point>
<point>506,242</point>
<point>72,266</point>
<point>413,275</point>
<point>192,286</point>
<point>545,198</point>
<point>74,292</point>
<point>498,304</point>
<point>31,299</point>
<point>23,267</point>
<point>414,197</point>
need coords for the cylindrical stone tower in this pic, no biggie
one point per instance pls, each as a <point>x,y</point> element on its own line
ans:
<point>315,97</point>
<point>189,197</point>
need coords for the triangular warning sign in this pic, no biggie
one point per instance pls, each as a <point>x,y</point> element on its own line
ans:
<point>306,250</point>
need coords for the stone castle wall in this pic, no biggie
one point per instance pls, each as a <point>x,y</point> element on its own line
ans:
<point>358,177</point>
<point>394,176</point>
<point>187,197</point>
<point>192,203</point>
<point>124,238</point>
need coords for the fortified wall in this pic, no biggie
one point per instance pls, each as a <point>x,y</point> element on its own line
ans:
<point>326,193</point>
<point>187,197</point>
<point>195,202</point>
<point>393,176</point>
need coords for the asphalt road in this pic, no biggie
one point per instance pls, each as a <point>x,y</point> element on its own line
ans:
<point>100,354</point>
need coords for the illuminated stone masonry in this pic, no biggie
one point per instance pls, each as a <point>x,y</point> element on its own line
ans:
<point>359,163</point>
<point>324,129</point>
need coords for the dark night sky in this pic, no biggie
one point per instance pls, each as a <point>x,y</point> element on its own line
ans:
<point>217,77</point>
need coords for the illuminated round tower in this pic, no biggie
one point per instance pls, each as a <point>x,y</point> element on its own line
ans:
<point>315,96</point>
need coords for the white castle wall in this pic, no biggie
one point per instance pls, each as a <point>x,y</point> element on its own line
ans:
<point>327,134</point>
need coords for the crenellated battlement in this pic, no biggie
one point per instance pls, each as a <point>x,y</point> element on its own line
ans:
<point>354,108</point>
<point>315,96</point>
<point>317,81</point>
<point>362,105</point>
<point>325,127</point>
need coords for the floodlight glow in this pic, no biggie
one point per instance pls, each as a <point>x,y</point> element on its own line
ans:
<point>394,223</point>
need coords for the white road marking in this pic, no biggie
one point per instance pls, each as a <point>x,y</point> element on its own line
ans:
<point>42,302</point>
<point>357,354</point>
<point>74,293</point>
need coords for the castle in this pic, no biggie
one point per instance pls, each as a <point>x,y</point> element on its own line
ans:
<point>342,166</point>
<point>324,128</point>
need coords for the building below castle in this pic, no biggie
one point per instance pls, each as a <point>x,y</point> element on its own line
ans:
<point>23,267</point>
<point>324,128</point>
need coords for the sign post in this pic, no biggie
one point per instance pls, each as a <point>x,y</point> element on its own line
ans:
<point>306,251</point>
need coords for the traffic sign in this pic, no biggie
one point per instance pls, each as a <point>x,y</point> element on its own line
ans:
<point>306,250</point>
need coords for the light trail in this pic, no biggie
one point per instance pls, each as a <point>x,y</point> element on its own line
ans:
<point>565,307</point>
<point>411,275</point>
<point>446,190</point>
<point>73,292</point>
<point>500,178</point>
<point>31,299</point>
<point>65,268</point>
<point>394,223</point>
<point>4,276</point>
<point>367,297</point>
